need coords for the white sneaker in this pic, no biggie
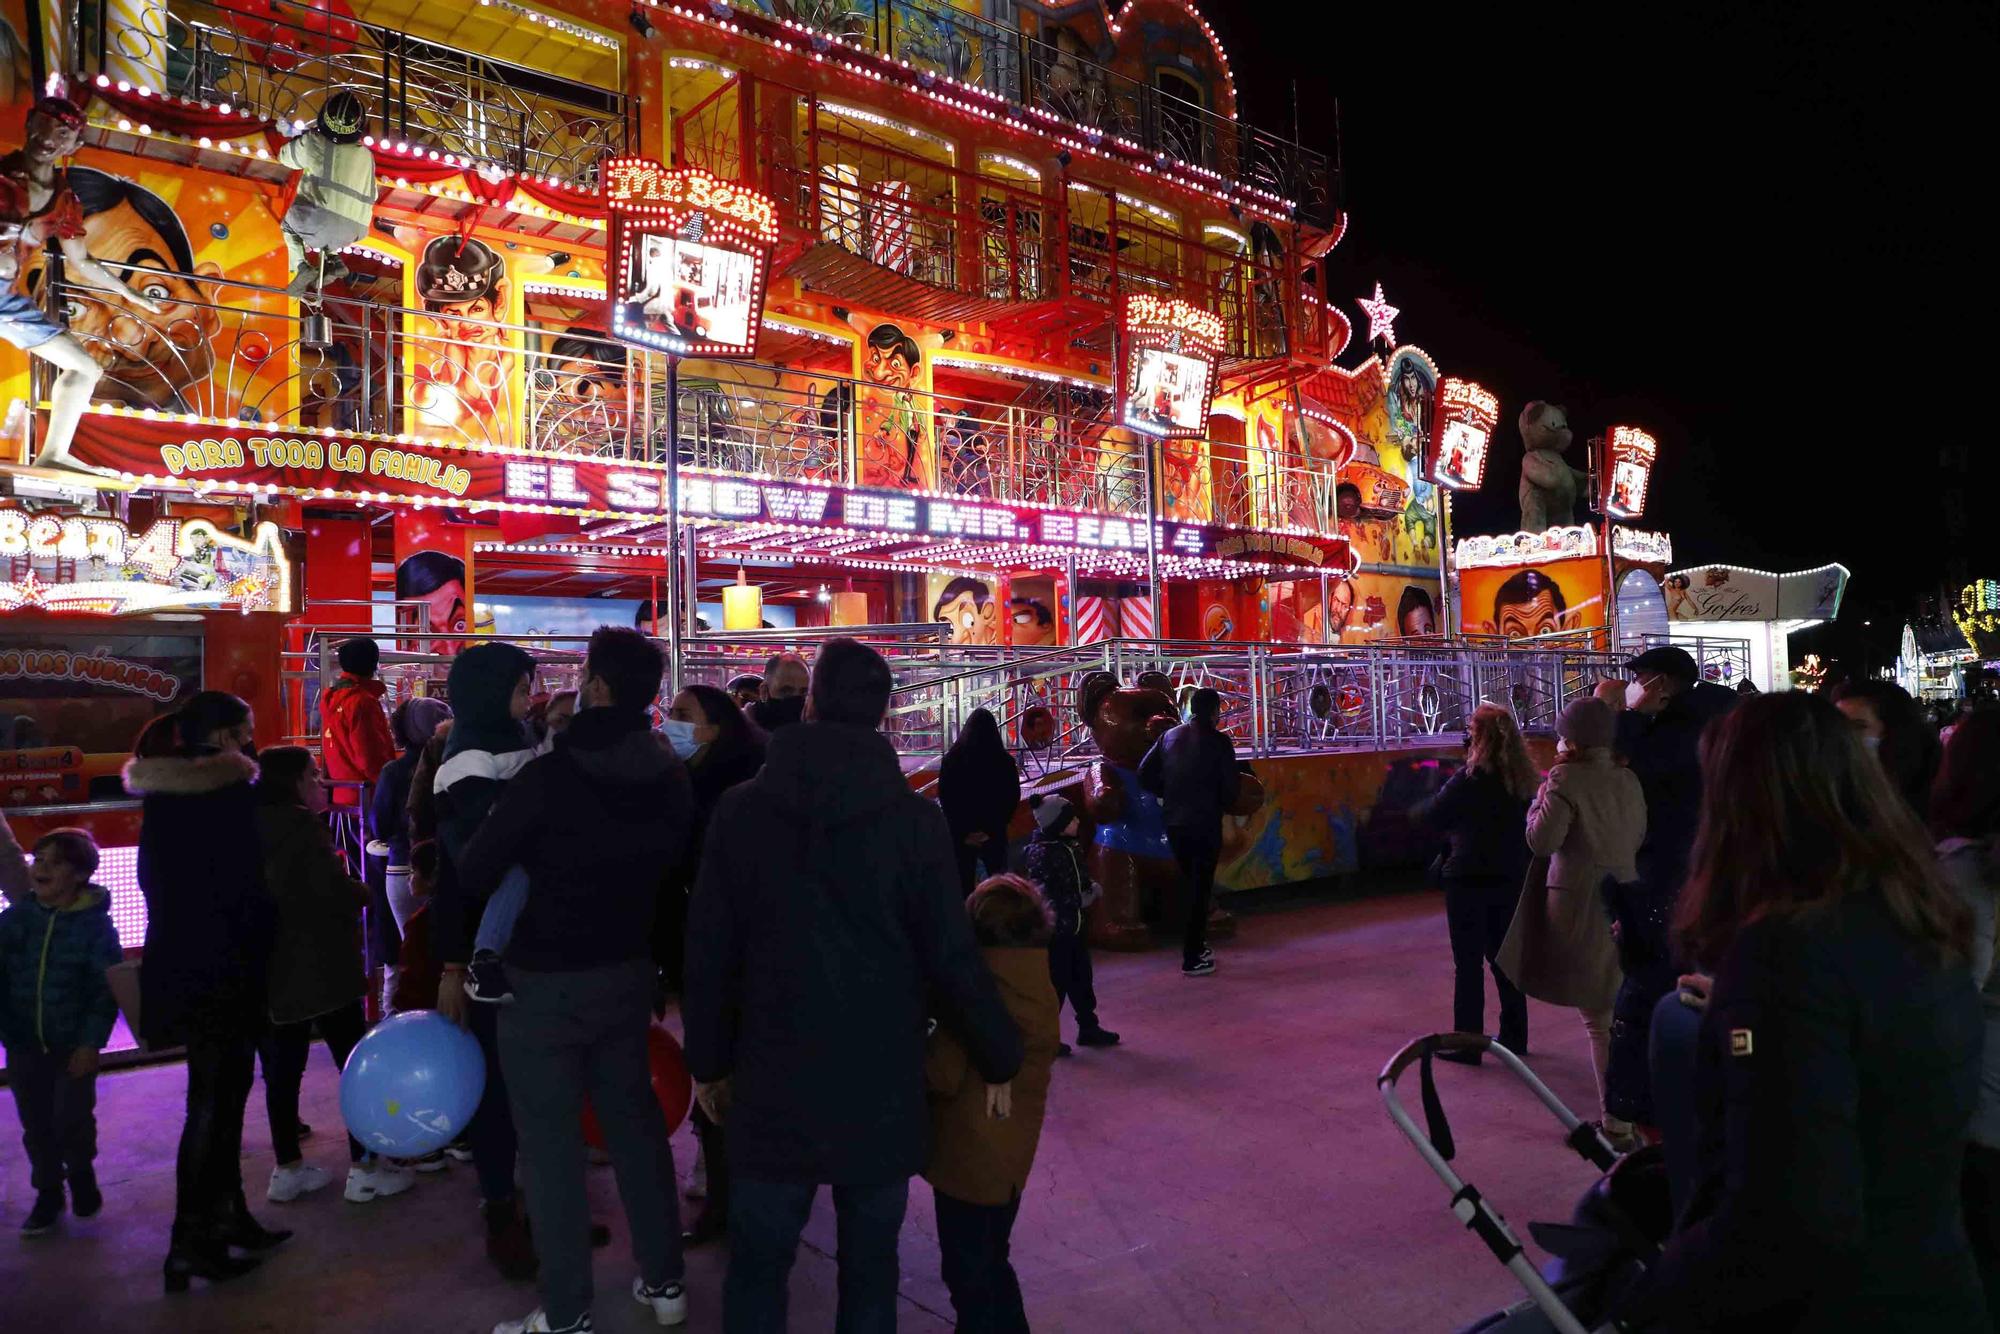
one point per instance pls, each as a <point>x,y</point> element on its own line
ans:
<point>537,1322</point>
<point>375,1178</point>
<point>288,1183</point>
<point>669,1301</point>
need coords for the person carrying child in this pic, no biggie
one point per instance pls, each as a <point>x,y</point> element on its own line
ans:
<point>317,979</point>
<point>983,1136</point>
<point>1055,862</point>
<point>56,1014</point>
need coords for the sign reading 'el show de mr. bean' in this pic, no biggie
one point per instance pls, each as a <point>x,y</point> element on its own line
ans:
<point>247,458</point>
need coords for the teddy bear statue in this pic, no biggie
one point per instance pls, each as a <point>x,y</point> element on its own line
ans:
<point>1129,854</point>
<point>1549,486</point>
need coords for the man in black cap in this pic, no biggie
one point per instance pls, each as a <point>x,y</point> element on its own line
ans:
<point>1667,707</point>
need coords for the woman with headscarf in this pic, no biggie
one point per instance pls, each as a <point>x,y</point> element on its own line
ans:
<point>209,930</point>
<point>979,786</point>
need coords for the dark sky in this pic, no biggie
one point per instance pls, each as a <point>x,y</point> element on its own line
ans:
<point>1762,233</point>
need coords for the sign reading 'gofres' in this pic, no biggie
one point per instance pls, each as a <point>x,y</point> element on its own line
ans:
<point>406,471</point>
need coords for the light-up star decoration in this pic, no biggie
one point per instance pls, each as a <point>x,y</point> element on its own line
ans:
<point>1381,317</point>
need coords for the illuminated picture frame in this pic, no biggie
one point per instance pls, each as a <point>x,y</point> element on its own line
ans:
<point>1172,355</point>
<point>1628,471</point>
<point>84,564</point>
<point>690,259</point>
<point>1461,435</point>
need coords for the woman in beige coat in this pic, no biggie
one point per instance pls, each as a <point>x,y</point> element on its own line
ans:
<point>1587,820</point>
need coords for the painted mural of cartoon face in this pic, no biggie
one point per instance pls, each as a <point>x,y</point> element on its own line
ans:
<point>894,404</point>
<point>968,607</point>
<point>462,371</point>
<point>1530,603</point>
<point>1034,625</point>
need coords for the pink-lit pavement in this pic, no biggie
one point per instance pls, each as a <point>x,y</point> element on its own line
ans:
<point>1230,1167</point>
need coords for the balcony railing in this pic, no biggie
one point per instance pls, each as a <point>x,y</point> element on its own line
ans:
<point>934,38</point>
<point>284,64</point>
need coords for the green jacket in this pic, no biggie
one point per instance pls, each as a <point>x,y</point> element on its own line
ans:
<point>53,995</point>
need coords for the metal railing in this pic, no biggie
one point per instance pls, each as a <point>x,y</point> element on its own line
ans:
<point>935,38</point>
<point>286,60</point>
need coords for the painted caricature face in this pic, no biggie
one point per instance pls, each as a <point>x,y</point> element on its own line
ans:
<point>971,621</point>
<point>49,140</point>
<point>1537,616</point>
<point>1348,505</point>
<point>446,605</point>
<point>889,366</point>
<point>150,360</point>
<point>1030,629</point>
<point>1340,600</point>
<point>1417,621</point>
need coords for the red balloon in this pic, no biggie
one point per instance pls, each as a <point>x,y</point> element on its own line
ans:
<point>672,1085</point>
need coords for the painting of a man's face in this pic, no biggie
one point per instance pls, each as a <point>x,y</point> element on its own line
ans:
<point>970,612</point>
<point>150,360</point>
<point>1034,626</point>
<point>1537,616</point>
<point>889,366</point>
<point>1340,604</point>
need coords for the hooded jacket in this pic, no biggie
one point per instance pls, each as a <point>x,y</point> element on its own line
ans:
<point>354,741</point>
<point>487,747</point>
<point>316,954</point>
<point>978,1158</point>
<point>209,921</point>
<point>1663,751</point>
<point>599,822</point>
<point>979,785</point>
<point>53,995</point>
<point>826,926</point>
<point>1192,770</point>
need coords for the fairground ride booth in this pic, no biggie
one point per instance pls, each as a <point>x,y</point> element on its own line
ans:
<point>1758,608</point>
<point>114,609</point>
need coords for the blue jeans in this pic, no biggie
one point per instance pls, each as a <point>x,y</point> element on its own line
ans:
<point>503,909</point>
<point>765,1220</point>
<point>1676,1037</point>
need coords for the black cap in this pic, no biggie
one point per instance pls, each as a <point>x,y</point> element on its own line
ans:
<point>359,657</point>
<point>1665,661</point>
<point>456,270</point>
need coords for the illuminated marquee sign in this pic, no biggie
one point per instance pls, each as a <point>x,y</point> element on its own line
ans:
<point>1462,431</point>
<point>161,453</point>
<point>1172,351</point>
<point>690,257</point>
<point>1628,471</point>
<point>81,563</point>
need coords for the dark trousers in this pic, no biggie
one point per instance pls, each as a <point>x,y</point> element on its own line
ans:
<point>993,852</point>
<point>1676,1040</point>
<point>765,1220</point>
<point>58,1115</point>
<point>1070,971</point>
<point>208,1172</point>
<point>1195,851</point>
<point>490,1133</point>
<point>567,1036</point>
<point>1982,1216</point>
<point>715,1159</point>
<point>1478,913</point>
<point>973,1245</point>
<point>283,1051</point>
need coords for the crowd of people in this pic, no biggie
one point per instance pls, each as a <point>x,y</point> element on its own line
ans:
<point>1775,916</point>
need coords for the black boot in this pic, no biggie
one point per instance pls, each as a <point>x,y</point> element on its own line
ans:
<point>84,1197</point>
<point>199,1253</point>
<point>245,1233</point>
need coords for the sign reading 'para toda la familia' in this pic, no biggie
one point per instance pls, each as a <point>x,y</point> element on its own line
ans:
<point>255,459</point>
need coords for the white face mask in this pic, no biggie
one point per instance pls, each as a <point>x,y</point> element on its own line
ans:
<point>1635,694</point>
<point>680,735</point>
<point>1872,742</point>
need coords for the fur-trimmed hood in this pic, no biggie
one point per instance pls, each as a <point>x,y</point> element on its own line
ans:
<point>188,775</point>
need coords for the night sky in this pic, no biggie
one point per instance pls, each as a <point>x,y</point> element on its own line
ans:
<point>1764,236</point>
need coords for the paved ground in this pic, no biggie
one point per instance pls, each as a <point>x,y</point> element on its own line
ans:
<point>1229,1168</point>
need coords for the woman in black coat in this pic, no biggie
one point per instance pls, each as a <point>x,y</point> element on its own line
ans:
<point>1482,813</point>
<point>209,930</point>
<point>727,749</point>
<point>1840,1052</point>
<point>979,787</point>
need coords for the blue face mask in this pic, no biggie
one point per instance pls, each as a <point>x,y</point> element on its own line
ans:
<point>680,735</point>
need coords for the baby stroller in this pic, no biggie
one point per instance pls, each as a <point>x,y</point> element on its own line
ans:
<point>1615,1231</point>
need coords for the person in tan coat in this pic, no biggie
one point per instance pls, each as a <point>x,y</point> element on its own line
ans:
<point>983,1136</point>
<point>1588,820</point>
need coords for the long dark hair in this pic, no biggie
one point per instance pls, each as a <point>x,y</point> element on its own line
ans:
<point>980,737</point>
<point>279,770</point>
<point>1795,816</point>
<point>1909,750</point>
<point>733,731</point>
<point>1965,803</point>
<point>189,727</point>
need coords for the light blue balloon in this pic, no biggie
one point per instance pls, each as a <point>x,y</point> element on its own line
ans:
<point>411,1085</point>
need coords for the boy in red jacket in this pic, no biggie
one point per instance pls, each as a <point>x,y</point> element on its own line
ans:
<point>355,744</point>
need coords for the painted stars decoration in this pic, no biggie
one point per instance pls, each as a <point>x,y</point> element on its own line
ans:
<point>1381,317</point>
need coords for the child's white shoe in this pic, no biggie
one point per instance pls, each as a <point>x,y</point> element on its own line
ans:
<point>375,1178</point>
<point>290,1182</point>
<point>669,1301</point>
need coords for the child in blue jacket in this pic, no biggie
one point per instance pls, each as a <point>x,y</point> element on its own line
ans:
<point>56,1014</point>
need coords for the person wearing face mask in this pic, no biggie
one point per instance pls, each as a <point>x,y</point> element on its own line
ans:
<point>721,748</point>
<point>209,930</point>
<point>1667,708</point>
<point>316,973</point>
<point>786,681</point>
<point>1893,727</point>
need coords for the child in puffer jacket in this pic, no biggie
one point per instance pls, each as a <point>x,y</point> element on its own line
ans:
<point>56,1014</point>
<point>1054,861</point>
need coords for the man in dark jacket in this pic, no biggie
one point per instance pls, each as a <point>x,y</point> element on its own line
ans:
<point>1192,769</point>
<point>826,922</point>
<point>598,823</point>
<point>1667,707</point>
